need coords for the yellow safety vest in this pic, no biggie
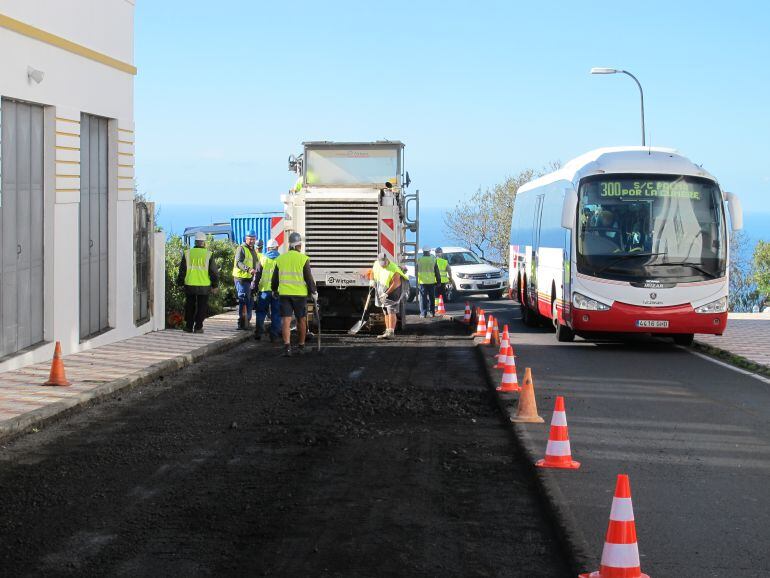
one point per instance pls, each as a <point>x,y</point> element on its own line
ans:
<point>384,275</point>
<point>291,281</point>
<point>248,260</point>
<point>442,269</point>
<point>268,267</point>
<point>197,262</point>
<point>426,274</point>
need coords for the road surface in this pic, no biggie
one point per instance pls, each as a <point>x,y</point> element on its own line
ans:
<point>369,460</point>
<point>693,436</point>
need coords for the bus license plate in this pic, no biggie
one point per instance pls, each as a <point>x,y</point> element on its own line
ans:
<point>654,323</point>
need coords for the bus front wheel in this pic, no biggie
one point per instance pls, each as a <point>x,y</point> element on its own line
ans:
<point>684,339</point>
<point>563,333</point>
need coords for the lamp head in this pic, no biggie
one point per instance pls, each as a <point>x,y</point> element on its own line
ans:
<point>604,70</point>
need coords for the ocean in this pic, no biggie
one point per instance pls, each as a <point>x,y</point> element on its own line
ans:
<point>173,218</point>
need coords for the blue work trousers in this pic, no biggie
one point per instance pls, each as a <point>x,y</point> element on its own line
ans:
<point>243,290</point>
<point>427,299</point>
<point>266,302</point>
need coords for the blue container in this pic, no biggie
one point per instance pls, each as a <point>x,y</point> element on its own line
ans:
<point>262,223</point>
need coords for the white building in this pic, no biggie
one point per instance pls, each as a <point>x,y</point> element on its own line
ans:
<point>67,215</point>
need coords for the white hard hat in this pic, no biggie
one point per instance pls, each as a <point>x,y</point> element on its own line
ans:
<point>272,244</point>
<point>200,236</point>
<point>426,248</point>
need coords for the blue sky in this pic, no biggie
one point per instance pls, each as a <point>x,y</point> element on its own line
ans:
<point>477,91</point>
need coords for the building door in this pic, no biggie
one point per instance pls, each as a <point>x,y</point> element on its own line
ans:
<point>93,225</point>
<point>21,205</point>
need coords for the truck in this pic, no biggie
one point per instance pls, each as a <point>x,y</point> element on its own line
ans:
<point>350,202</point>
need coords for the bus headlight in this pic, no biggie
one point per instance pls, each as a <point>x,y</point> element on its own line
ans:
<point>718,306</point>
<point>582,302</point>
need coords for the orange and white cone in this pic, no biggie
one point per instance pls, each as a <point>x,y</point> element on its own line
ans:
<point>488,334</point>
<point>57,376</point>
<point>558,453</point>
<point>509,382</point>
<point>467,315</point>
<point>620,556</point>
<point>440,310</point>
<point>495,331</point>
<point>505,343</point>
<point>481,326</point>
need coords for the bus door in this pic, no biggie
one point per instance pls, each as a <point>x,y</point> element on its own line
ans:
<point>532,285</point>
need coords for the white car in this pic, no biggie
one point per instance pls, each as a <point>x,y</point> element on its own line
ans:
<point>468,274</point>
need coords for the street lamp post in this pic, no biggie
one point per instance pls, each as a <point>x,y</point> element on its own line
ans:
<point>641,93</point>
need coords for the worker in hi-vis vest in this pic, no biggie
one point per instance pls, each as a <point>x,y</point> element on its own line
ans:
<point>388,280</point>
<point>443,270</point>
<point>293,282</point>
<point>199,275</point>
<point>428,277</point>
<point>266,301</point>
<point>244,263</point>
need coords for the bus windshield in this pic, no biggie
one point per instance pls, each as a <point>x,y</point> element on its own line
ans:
<point>664,227</point>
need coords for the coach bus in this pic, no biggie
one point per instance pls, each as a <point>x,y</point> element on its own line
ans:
<point>623,240</point>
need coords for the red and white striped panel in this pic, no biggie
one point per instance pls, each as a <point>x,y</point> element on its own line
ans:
<point>388,239</point>
<point>276,231</point>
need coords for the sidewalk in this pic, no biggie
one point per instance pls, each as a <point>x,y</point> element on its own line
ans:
<point>747,335</point>
<point>24,401</point>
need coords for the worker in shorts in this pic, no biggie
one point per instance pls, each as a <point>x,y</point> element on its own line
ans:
<point>388,280</point>
<point>293,282</point>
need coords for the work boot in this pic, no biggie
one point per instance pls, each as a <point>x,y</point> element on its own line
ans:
<point>240,322</point>
<point>287,351</point>
<point>257,334</point>
<point>199,330</point>
<point>301,349</point>
<point>187,329</point>
<point>385,335</point>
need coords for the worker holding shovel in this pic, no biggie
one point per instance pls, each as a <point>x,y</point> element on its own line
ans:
<point>388,279</point>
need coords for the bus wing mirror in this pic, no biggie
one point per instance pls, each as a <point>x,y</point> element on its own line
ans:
<point>568,209</point>
<point>736,211</point>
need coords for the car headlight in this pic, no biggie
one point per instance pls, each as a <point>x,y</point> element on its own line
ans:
<point>462,275</point>
<point>580,301</point>
<point>718,306</point>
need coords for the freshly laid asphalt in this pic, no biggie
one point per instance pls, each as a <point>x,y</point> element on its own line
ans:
<point>692,435</point>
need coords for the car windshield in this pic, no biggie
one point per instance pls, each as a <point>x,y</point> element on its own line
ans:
<point>464,258</point>
<point>665,227</point>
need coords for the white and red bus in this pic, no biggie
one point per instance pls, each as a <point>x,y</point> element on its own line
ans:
<point>623,240</point>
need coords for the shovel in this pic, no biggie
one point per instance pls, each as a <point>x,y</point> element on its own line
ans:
<point>360,325</point>
<point>317,311</point>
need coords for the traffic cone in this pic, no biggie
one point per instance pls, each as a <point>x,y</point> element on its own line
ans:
<point>57,377</point>
<point>506,339</point>
<point>526,412</point>
<point>505,343</point>
<point>488,334</point>
<point>440,310</point>
<point>481,328</point>
<point>558,453</point>
<point>509,382</point>
<point>467,315</point>
<point>495,332</point>
<point>620,556</point>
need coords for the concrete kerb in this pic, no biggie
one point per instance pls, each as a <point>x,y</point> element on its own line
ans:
<point>568,532</point>
<point>731,358</point>
<point>20,424</point>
